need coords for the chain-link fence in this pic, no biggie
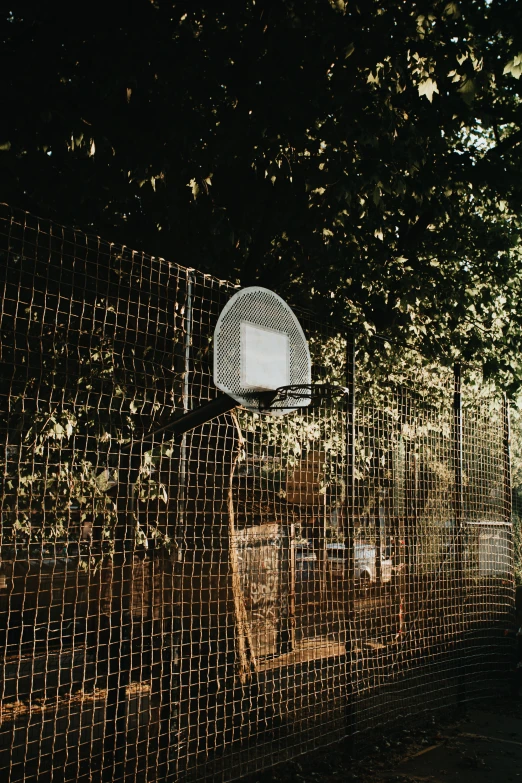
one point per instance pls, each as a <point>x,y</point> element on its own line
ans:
<point>201,606</point>
<point>516,481</point>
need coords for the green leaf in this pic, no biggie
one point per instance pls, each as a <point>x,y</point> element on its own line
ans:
<point>427,88</point>
<point>468,90</point>
<point>514,66</point>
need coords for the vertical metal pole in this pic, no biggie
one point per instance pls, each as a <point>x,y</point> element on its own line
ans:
<point>291,604</point>
<point>378,537</point>
<point>458,507</point>
<point>186,368</point>
<point>413,587</point>
<point>508,496</point>
<point>182,500</point>
<point>349,540</point>
<point>411,517</point>
<point>119,648</point>
<point>402,527</point>
<point>181,522</point>
<point>458,446</point>
<point>508,502</point>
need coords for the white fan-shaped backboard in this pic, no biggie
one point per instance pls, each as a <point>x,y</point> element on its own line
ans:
<point>259,346</point>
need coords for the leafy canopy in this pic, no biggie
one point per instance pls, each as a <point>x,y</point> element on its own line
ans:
<point>362,158</point>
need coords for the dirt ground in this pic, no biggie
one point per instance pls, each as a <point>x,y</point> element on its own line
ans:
<point>480,744</point>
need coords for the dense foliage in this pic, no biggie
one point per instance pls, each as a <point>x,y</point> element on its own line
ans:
<point>360,157</point>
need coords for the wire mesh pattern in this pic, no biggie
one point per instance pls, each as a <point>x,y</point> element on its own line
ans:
<point>200,606</point>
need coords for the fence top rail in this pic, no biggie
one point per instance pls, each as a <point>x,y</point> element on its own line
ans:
<point>45,226</point>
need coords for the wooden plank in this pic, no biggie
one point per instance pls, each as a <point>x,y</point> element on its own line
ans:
<point>306,650</point>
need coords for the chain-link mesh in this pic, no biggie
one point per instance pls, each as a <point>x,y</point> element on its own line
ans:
<point>202,606</point>
<point>516,483</point>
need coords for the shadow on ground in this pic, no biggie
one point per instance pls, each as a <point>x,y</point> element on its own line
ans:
<point>481,744</point>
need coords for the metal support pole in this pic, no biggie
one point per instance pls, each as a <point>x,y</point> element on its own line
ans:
<point>403,525</point>
<point>508,496</point>
<point>378,541</point>
<point>458,507</point>
<point>508,499</point>
<point>349,540</point>
<point>186,402</point>
<point>189,421</point>
<point>120,630</point>
<point>168,682</point>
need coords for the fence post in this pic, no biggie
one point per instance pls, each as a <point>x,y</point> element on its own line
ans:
<point>410,583</point>
<point>120,621</point>
<point>508,499</point>
<point>458,506</point>
<point>349,537</point>
<point>171,680</point>
<point>506,425</point>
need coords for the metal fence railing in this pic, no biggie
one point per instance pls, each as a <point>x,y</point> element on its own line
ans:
<point>206,605</point>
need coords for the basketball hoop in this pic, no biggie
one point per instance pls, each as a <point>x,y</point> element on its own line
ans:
<point>311,393</point>
<point>259,349</point>
<point>261,363</point>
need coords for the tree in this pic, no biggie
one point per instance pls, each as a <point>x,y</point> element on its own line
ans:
<point>359,158</point>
